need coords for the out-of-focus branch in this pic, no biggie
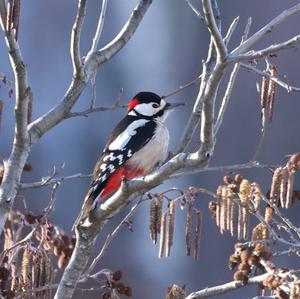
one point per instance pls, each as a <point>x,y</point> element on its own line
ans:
<point>225,288</point>
<point>278,81</point>
<point>99,27</point>
<point>213,29</point>
<point>265,30</point>
<point>75,39</point>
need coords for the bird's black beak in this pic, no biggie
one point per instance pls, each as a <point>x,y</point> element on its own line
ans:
<point>170,106</point>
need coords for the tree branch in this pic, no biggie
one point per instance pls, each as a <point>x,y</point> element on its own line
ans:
<point>265,30</point>
<point>225,288</point>
<point>278,81</point>
<point>230,84</point>
<point>14,165</point>
<point>75,39</point>
<point>267,51</point>
<point>99,27</point>
<point>39,127</point>
<point>124,35</point>
<point>213,29</point>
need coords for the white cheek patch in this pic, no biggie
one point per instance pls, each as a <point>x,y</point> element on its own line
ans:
<point>146,109</point>
<point>121,141</point>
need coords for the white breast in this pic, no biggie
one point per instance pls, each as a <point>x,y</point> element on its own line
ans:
<point>154,152</point>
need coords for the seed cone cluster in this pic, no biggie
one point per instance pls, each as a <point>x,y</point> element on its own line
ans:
<point>234,202</point>
<point>28,267</point>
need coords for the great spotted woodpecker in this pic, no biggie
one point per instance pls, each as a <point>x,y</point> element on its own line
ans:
<point>137,144</point>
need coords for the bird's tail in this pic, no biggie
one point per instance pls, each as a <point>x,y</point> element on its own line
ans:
<point>85,210</point>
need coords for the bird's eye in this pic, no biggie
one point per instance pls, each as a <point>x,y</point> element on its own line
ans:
<point>155,105</point>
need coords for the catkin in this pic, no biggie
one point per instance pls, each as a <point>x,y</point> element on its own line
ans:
<point>25,268</point>
<point>170,230</point>
<point>189,227</point>
<point>162,240</point>
<point>275,187</point>
<point>290,189</point>
<point>155,217</point>
<point>272,92</point>
<point>198,234</point>
<point>283,187</point>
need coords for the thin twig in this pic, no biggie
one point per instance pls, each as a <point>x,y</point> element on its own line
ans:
<point>231,29</point>
<point>51,181</point>
<point>86,112</point>
<point>194,9</point>
<point>213,28</point>
<point>99,27</point>
<point>224,288</point>
<point>46,214</point>
<point>229,168</point>
<point>278,81</point>
<point>266,51</point>
<point>75,38</point>
<point>181,88</point>
<point>230,84</point>
<point>110,237</point>
<point>265,30</point>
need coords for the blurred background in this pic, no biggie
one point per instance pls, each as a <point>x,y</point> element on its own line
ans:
<point>165,52</point>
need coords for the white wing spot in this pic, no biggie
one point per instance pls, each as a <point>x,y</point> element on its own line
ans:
<point>129,154</point>
<point>111,168</point>
<point>103,166</point>
<point>103,178</point>
<point>121,141</point>
<point>106,158</point>
<point>120,157</point>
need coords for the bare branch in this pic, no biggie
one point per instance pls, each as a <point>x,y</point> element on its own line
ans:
<point>229,168</point>
<point>95,109</point>
<point>124,35</point>
<point>14,165</point>
<point>194,9</point>
<point>231,29</point>
<point>44,183</point>
<point>99,27</point>
<point>109,239</point>
<point>213,29</point>
<point>265,30</point>
<point>3,14</point>
<point>92,62</point>
<point>181,88</point>
<point>267,51</point>
<point>230,84</point>
<point>278,81</point>
<point>225,288</point>
<point>75,39</point>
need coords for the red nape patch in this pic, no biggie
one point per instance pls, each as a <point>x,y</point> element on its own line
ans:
<point>115,180</point>
<point>133,103</point>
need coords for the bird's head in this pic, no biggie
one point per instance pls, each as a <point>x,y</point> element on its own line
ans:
<point>148,104</point>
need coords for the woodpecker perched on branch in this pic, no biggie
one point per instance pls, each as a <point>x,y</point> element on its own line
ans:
<point>137,144</point>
